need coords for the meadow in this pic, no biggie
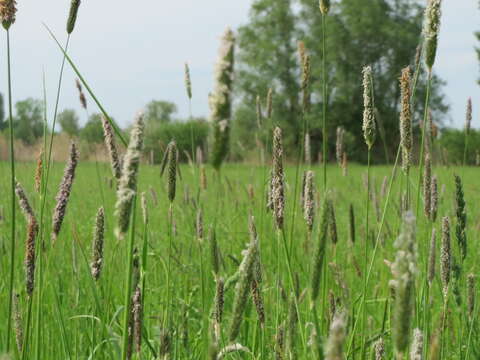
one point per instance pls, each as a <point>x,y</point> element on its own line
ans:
<point>204,258</point>
<point>80,318</point>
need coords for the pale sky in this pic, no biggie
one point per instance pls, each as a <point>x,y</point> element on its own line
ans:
<point>133,52</point>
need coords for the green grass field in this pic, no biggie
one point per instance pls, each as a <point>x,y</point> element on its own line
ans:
<point>74,317</point>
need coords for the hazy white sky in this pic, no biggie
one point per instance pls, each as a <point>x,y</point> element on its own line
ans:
<point>131,53</point>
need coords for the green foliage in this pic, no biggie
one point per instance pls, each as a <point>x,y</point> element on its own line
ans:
<point>159,112</point>
<point>68,120</point>
<point>158,137</point>
<point>452,143</point>
<point>380,33</point>
<point>92,132</point>
<point>28,121</point>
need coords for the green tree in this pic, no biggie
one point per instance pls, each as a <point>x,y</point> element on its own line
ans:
<point>158,112</point>
<point>267,59</point>
<point>68,120</point>
<point>382,33</point>
<point>28,121</point>
<point>92,132</point>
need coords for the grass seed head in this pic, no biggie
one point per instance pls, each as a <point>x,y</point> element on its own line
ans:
<point>72,16</point>
<point>8,10</point>
<point>220,99</point>
<point>434,199</point>
<point>336,337</point>
<point>461,214</point>
<point>468,117</point>
<point>416,350</point>
<point>309,200</point>
<point>369,126</point>
<point>64,191</point>
<point>109,137</point>
<point>431,30</point>
<point>269,103</point>
<point>98,237</point>
<point>406,140</point>
<point>127,186</point>
<point>446,255</point>
<point>278,179</point>
<point>324,6</point>
<point>188,81</point>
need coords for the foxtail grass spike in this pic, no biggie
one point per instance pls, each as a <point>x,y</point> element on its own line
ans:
<point>461,213</point>
<point>64,191</point>
<point>38,171</point>
<point>446,255</point>
<point>220,100</point>
<point>98,236</point>
<point>188,81</point>
<point>81,95</point>
<point>308,149</point>
<point>127,186</point>
<point>171,162</point>
<point>416,350</point>
<point>278,181</point>
<point>336,338</point>
<point>144,208</point>
<point>32,232</point>
<point>72,16</point>
<point>137,313</point>
<point>23,202</point>
<point>309,200</point>
<point>8,11</point>
<point>431,30</point>
<point>468,117</point>
<point>269,106</point>
<point>109,137</point>
<point>214,252</point>
<point>369,126</point>
<point>379,349</point>
<point>406,140</point>
<point>403,282</point>
<point>242,289</point>
<point>324,6</point>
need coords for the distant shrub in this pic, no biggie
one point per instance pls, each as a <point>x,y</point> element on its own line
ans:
<point>452,142</point>
<point>158,136</point>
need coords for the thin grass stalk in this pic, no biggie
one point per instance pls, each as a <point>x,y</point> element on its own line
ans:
<point>80,77</point>
<point>292,284</point>
<point>128,281</point>
<point>367,206</point>
<point>324,102</point>
<point>12,194</point>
